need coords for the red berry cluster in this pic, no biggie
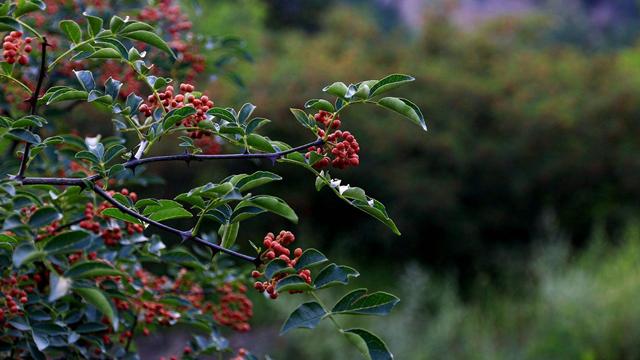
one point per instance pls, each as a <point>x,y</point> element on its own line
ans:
<point>171,101</point>
<point>14,289</point>
<point>340,148</point>
<point>113,234</point>
<point>242,353</point>
<point>235,309</point>
<point>275,247</point>
<point>16,49</point>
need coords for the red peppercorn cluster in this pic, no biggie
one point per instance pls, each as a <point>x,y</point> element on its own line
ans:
<point>241,355</point>
<point>113,234</point>
<point>16,49</point>
<point>209,145</point>
<point>169,100</point>
<point>340,149</point>
<point>235,309</point>
<point>14,290</point>
<point>275,246</point>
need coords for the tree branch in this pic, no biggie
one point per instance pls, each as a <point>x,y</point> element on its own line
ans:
<point>132,164</point>
<point>90,182</point>
<point>33,100</point>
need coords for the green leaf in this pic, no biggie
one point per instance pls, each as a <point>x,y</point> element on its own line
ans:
<point>333,274</point>
<point>117,214</point>
<point>8,23</point>
<point>23,135</point>
<point>307,315</point>
<point>277,266</point>
<point>98,299</point>
<point>309,258</point>
<point>222,114</point>
<point>44,216</point>
<point>230,235</point>
<point>338,89</point>
<point>26,6</point>
<point>87,155</point>
<point>179,256</point>
<point>29,120</point>
<point>89,269</point>
<point>106,53</point>
<point>256,123</point>
<point>259,142</point>
<point>86,79</point>
<point>388,83</point>
<point>26,253</point>
<point>72,30</point>
<point>359,302</point>
<point>258,178</point>
<point>405,108</point>
<point>150,38</point>
<point>167,213</point>
<point>174,116</point>
<point>272,204</point>
<point>115,24</point>
<point>302,118</point>
<point>67,242</point>
<point>371,346</point>
<point>377,210</point>
<point>245,111</point>
<point>65,94</point>
<point>136,26</point>
<point>319,104</point>
<point>293,283</point>
<point>94,24</point>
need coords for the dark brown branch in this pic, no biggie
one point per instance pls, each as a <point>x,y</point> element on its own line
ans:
<point>132,164</point>
<point>184,235</point>
<point>33,101</point>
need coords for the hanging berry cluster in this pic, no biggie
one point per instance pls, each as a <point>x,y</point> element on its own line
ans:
<point>340,149</point>
<point>185,97</point>
<point>111,233</point>
<point>14,290</point>
<point>16,49</point>
<point>276,247</point>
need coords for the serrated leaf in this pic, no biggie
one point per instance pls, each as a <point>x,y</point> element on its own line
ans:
<point>371,346</point>
<point>245,112</point>
<point>307,315</point>
<point>230,235</point>
<point>388,83</point>
<point>360,302</point>
<point>179,256</point>
<point>163,214</point>
<point>222,114</point>
<point>259,142</point>
<point>94,24</point>
<point>405,108</point>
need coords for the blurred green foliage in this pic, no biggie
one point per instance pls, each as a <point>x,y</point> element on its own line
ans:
<point>564,307</point>
<point>517,124</point>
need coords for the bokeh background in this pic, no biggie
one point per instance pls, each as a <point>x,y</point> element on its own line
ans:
<point>519,208</point>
